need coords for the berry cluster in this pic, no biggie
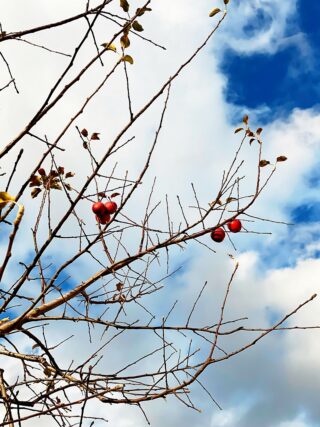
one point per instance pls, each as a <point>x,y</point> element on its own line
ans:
<point>104,211</point>
<point>219,234</point>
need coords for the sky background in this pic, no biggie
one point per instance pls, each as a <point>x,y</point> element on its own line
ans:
<point>264,61</point>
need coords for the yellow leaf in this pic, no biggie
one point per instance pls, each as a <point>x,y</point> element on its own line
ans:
<point>5,198</point>
<point>214,12</point>
<point>127,58</point>
<point>109,46</point>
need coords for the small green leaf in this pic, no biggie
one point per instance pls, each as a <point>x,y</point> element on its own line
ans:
<point>214,12</point>
<point>127,58</point>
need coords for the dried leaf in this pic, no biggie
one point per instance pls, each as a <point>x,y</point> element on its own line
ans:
<point>214,12</point>
<point>251,140</point>
<point>68,187</point>
<point>258,131</point>
<point>5,198</point>
<point>69,174</point>
<point>109,46</point>
<point>35,346</point>
<point>119,286</point>
<point>35,181</point>
<point>55,185</point>
<point>35,192</point>
<point>41,172</point>
<point>53,173</point>
<point>127,58</point>
<point>250,133</point>
<point>114,195</point>
<point>231,199</point>
<point>245,119</point>
<point>47,372</point>
<point>84,132</point>
<point>85,145</point>
<point>125,5</point>
<point>137,26</point>
<point>264,163</point>
<point>142,10</point>
<point>101,195</point>
<point>95,136</point>
<point>282,159</point>
<point>124,41</point>
<point>226,1</point>
<point>238,130</point>
<point>61,170</point>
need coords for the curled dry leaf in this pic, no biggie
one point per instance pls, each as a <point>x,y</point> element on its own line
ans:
<point>69,174</point>
<point>109,46</point>
<point>84,132</point>
<point>281,159</point>
<point>35,181</point>
<point>245,119</point>
<point>141,10</point>
<point>5,198</point>
<point>114,195</point>
<point>214,12</point>
<point>127,58</point>
<point>137,26</point>
<point>264,163</point>
<point>95,136</point>
<point>35,192</point>
<point>238,130</point>
<point>125,5</point>
<point>231,199</point>
<point>124,41</point>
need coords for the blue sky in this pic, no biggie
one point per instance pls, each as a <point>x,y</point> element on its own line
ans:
<point>284,80</point>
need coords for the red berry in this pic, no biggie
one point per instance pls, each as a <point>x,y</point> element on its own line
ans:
<point>218,234</point>
<point>234,226</point>
<point>111,207</point>
<point>104,219</point>
<point>99,209</point>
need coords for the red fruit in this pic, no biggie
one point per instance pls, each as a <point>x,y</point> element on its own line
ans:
<point>235,225</point>
<point>111,207</point>
<point>99,209</point>
<point>218,234</point>
<point>104,219</point>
